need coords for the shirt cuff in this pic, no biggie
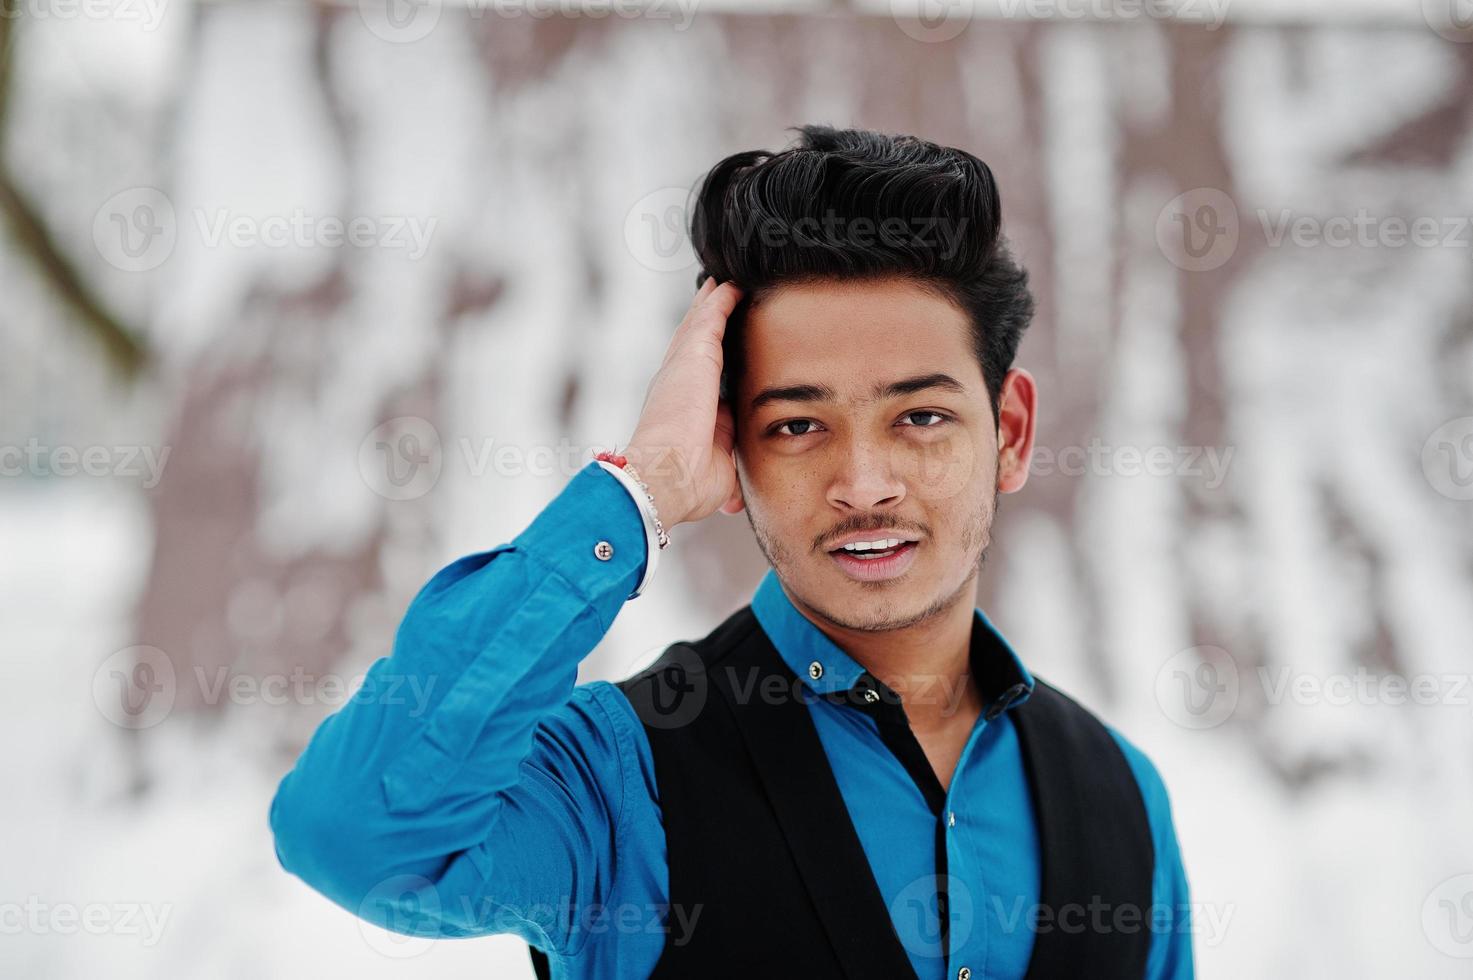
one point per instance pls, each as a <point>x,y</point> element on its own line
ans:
<point>599,546</point>
<point>646,515</point>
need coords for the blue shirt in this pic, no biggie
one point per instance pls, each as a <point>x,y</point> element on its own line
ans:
<point>471,786</point>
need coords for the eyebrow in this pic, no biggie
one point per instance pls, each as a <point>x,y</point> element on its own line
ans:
<point>881,390</point>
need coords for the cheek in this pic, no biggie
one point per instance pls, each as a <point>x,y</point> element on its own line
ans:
<point>940,470</point>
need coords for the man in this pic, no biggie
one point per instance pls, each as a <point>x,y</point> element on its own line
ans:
<point>852,776</point>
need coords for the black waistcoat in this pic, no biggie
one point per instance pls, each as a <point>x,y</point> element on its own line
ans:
<point>765,860</point>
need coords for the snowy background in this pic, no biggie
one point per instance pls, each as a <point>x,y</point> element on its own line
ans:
<point>245,246</point>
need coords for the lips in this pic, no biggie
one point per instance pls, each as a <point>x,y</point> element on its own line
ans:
<point>872,537</point>
<point>891,564</point>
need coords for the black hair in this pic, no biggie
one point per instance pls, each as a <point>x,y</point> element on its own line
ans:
<point>930,214</point>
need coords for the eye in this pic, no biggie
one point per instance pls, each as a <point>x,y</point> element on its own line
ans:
<point>937,415</point>
<point>777,429</point>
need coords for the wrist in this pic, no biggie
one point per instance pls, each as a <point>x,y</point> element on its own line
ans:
<point>666,481</point>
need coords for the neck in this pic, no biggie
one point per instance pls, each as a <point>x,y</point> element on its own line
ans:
<point>927,663</point>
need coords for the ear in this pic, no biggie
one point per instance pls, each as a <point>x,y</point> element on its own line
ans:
<point>1017,414</point>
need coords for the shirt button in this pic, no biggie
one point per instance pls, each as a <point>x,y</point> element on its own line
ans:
<point>815,670</point>
<point>951,819</point>
<point>603,551</point>
<point>871,695</point>
<point>965,973</point>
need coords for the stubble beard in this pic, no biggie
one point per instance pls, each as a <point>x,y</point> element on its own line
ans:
<point>976,538</point>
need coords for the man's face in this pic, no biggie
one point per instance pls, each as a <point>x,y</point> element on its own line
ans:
<point>827,451</point>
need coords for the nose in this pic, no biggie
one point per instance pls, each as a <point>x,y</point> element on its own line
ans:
<point>864,477</point>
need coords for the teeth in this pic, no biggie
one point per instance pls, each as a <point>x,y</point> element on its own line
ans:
<point>884,544</point>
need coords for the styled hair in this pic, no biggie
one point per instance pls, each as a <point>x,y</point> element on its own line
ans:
<point>854,204</point>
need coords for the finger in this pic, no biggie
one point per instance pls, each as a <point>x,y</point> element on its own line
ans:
<point>706,319</point>
<point>717,308</point>
<point>696,302</point>
<point>704,291</point>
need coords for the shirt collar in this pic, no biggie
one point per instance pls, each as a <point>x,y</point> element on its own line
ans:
<point>827,670</point>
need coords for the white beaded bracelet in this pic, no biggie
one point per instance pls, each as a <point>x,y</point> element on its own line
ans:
<point>654,532</point>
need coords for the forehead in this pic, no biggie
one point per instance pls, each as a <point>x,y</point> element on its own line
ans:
<point>850,334</point>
